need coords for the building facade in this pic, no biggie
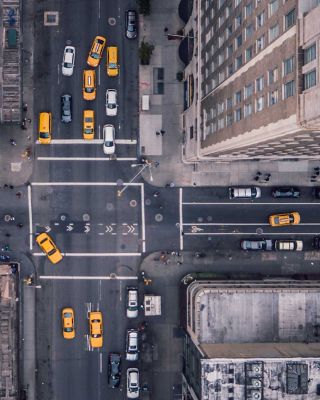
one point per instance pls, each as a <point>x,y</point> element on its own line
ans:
<point>252,82</point>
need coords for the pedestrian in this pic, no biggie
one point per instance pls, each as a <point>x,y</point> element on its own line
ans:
<point>25,107</point>
<point>317,173</point>
<point>20,225</point>
<point>7,235</point>
<point>313,176</point>
<point>179,263</point>
<point>267,179</point>
<point>162,132</point>
<point>256,178</point>
<point>313,180</point>
<point>29,120</point>
<point>268,175</point>
<point>11,187</point>
<point>5,186</point>
<point>158,133</point>
<point>12,142</point>
<point>156,194</point>
<point>165,30</point>
<point>18,195</point>
<point>259,173</point>
<point>316,168</point>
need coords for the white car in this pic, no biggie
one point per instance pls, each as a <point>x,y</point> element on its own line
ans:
<point>108,139</point>
<point>132,302</point>
<point>69,55</point>
<point>111,102</point>
<point>132,345</point>
<point>133,383</point>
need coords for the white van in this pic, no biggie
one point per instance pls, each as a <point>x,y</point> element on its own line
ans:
<point>244,193</point>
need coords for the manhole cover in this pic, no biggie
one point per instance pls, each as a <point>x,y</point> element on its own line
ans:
<point>110,207</point>
<point>209,218</point>
<point>112,21</point>
<point>200,219</point>
<point>259,231</point>
<point>113,275</point>
<point>119,182</point>
<point>86,217</point>
<point>133,203</point>
<point>158,217</point>
<point>63,217</point>
<point>148,202</point>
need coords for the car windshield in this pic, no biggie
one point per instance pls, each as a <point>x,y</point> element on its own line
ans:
<point>131,28</point>
<point>67,65</point>
<point>67,315</point>
<point>88,131</point>
<point>108,143</point>
<point>112,65</point>
<point>95,55</point>
<point>44,135</point>
<point>89,90</point>
<point>110,105</point>
<point>68,329</point>
<point>88,119</point>
<point>96,335</point>
<point>52,252</point>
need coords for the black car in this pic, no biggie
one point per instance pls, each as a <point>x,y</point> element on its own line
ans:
<point>114,371</point>
<point>286,192</point>
<point>131,24</point>
<point>66,108</point>
<point>316,192</point>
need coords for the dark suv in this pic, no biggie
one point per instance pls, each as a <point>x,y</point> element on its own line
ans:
<point>66,108</point>
<point>114,370</point>
<point>131,24</point>
<point>286,192</point>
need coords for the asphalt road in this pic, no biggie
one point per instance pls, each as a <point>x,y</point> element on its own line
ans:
<point>73,196</point>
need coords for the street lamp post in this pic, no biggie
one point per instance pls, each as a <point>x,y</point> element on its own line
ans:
<point>147,164</point>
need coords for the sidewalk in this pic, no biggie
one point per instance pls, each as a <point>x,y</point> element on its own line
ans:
<point>165,114</point>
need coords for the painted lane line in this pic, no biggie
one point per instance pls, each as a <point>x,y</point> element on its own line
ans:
<point>143,220</point>
<point>100,363</point>
<point>99,134</point>
<point>248,203</point>
<point>88,277</point>
<point>99,74</point>
<point>242,224</point>
<point>250,233</point>
<point>93,141</point>
<point>84,184</point>
<point>85,159</point>
<point>93,254</point>
<point>180,219</point>
<point>58,74</point>
<point>30,217</point>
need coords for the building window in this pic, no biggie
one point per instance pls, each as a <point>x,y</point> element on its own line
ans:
<point>238,21</point>
<point>288,66</point>
<point>221,76</point>
<point>260,20</point>
<point>228,11</point>
<point>220,20</point>
<point>229,31</point>
<point>237,97</point>
<point>309,54</point>
<point>259,84</point>
<point>260,43</point>
<point>248,10</point>
<point>237,115</point>
<point>247,110</point>
<point>230,69</point>
<point>238,62</point>
<point>236,3</point>
<point>273,32</point>
<point>309,79</point>
<point>273,7</point>
<point>289,89</point>
<point>229,103</point>
<point>290,18</point>
<point>220,123</point>
<point>229,50</point>
<point>220,59</point>
<point>238,41</point>
<point>273,98</point>
<point>220,3</point>
<point>229,119</point>
<point>259,103</point>
<point>249,53</point>
<point>221,40</point>
<point>249,31</point>
<point>220,107</point>
<point>248,90</point>
<point>273,75</point>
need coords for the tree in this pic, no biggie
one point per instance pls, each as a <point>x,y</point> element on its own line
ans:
<point>144,7</point>
<point>145,52</point>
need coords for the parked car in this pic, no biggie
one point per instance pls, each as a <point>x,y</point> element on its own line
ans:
<point>96,329</point>
<point>292,218</point>
<point>69,55</point>
<point>244,193</point>
<point>114,369</point>
<point>108,139</point>
<point>133,383</point>
<point>286,192</point>
<point>111,102</point>
<point>131,24</point>
<point>316,192</point>
<point>257,244</point>
<point>132,302</point>
<point>49,248</point>
<point>316,242</point>
<point>68,330</point>
<point>132,346</point>
<point>66,108</point>
<point>288,245</point>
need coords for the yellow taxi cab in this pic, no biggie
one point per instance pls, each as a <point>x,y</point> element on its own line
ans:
<point>47,246</point>
<point>96,329</point>
<point>112,61</point>
<point>89,84</point>
<point>45,123</point>
<point>68,330</point>
<point>292,218</point>
<point>88,124</point>
<point>96,51</point>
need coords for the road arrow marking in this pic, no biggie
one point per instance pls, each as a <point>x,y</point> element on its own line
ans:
<point>87,228</point>
<point>70,227</point>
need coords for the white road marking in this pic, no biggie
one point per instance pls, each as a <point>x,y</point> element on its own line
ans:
<point>93,141</point>
<point>99,72</point>
<point>247,203</point>
<point>99,9</point>
<point>100,292</point>
<point>30,216</point>
<point>93,254</point>
<point>143,221</point>
<point>85,159</point>
<point>180,219</point>
<point>87,277</point>
<point>99,134</point>
<point>58,74</point>
<point>250,233</point>
<point>100,362</point>
<point>84,184</point>
<point>244,224</point>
